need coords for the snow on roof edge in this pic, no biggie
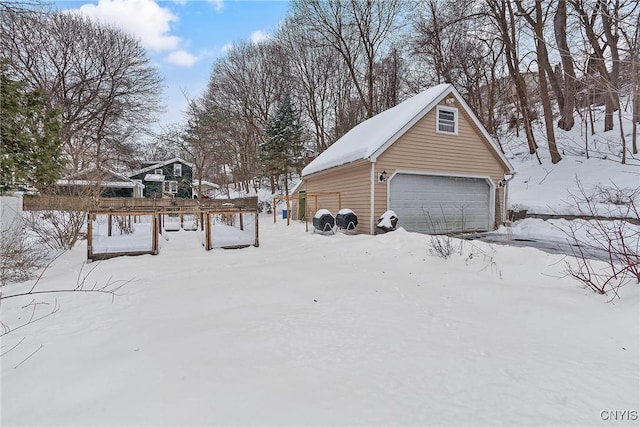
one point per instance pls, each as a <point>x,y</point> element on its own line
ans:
<point>366,138</point>
<point>391,124</point>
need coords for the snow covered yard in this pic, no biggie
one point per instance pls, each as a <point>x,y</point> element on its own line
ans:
<point>316,329</point>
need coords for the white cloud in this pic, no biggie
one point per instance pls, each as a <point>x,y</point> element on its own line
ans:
<point>255,37</point>
<point>181,58</point>
<point>180,2</point>
<point>217,4</point>
<point>142,18</point>
<point>258,36</point>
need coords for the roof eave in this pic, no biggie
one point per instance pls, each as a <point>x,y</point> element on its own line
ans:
<point>450,90</point>
<point>423,112</point>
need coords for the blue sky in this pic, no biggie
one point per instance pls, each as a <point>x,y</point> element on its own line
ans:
<point>184,37</point>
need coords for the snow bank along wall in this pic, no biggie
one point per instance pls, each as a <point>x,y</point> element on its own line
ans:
<point>10,217</point>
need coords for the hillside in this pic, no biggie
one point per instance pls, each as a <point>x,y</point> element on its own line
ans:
<point>551,189</point>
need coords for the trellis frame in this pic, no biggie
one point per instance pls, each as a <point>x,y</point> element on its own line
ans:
<point>313,195</point>
<point>156,226</point>
<point>207,213</point>
<point>91,216</point>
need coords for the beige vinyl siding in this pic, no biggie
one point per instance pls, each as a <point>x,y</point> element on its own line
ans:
<point>352,181</point>
<point>422,149</point>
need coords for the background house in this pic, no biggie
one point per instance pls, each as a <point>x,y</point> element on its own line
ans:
<point>168,178</point>
<point>99,182</point>
<point>428,159</point>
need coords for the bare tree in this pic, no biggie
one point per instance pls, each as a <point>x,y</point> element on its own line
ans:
<point>204,141</point>
<point>504,18</point>
<point>629,29</point>
<point>566,121</point>
<point>359,31</point>
<point>542,56</point>
<point>245,86</point>
<point>316,71</point>
<point>588,14</point>
<point>453,40</point>
<point>634,54</point>
<point>98,77</point>
<point>442,31</point>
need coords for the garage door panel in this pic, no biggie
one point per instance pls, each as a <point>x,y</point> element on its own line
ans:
<point>440,204</point>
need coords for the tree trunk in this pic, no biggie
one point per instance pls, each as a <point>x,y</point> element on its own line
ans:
<point>609,81</point>
<point>506,25</point>
<point>635,86</point>
<point>566,121</point>
<point>543,60</point>
<point>613,98</point>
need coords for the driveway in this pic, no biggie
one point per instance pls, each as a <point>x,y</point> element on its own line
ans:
<point>546,245</point>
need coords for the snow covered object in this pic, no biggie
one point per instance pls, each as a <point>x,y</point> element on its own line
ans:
<point>346,219</point>
<point>387,221</point>
<point>323,220</point>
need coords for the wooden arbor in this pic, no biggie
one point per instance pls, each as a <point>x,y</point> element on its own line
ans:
<point>308,204</point>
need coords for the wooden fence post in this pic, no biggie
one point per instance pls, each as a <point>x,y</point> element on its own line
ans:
<point>154,236</point>
<point>207,234</point>
<point>257,242</point>
<point>89,236</point>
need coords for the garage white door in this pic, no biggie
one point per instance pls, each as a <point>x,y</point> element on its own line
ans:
<point>440,204</point>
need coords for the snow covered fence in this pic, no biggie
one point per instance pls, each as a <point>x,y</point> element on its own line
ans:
<point>230,229</point>
<point>111,234</point>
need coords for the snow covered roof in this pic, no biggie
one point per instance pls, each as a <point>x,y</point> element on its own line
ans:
<point>114,184</point>
<point>160,165</point>
<point>370,138</point>
<point>206,185</point>
<point>106,178</point>
<point>154,177</point>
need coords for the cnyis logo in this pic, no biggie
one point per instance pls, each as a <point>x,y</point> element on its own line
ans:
<point>618,415</point>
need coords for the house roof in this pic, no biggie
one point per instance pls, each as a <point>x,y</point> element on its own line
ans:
<point>154,177</point>
<point>206,185</point>
<point>106,178</point>
<point>159,165</point>
<point>372,137</point>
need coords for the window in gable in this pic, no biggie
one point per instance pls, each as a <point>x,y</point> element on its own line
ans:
<point>447,120</point>
<point>157,172</point>
<point>177,169</point>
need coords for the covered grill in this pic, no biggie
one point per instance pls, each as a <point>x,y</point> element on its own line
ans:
<point>323,220</point>
<point>346,220</point>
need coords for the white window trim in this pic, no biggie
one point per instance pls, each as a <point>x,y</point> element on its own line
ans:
<point>455,119</point>
<point>158,172</point>
<point>170,187</point>
<point>177,166</point>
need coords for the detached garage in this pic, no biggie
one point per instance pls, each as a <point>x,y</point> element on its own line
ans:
<point>428,159</point>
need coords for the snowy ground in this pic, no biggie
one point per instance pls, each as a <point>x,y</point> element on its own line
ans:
<point>315,329</point>
<point>554,189</point>
<point>321,329</point>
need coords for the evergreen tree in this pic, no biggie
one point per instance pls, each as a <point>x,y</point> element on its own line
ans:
<point>29,135</point>
<point>283,149</point>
